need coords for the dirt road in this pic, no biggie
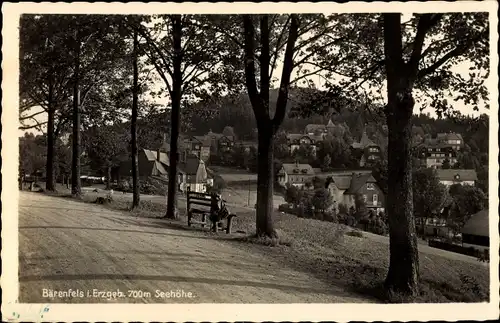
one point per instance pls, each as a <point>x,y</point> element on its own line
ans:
<point>66,245</point>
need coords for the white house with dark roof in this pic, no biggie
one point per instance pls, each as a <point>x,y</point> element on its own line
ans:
<point>295,174</point>
<point>452,139</point>
<point>295,141</point>
<point>450,177</point>
<point>344,188</point>
<point>194,175</point>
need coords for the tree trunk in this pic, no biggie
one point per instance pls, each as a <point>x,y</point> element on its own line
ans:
<point>265,175</point>
<point>108,179</point>
<point>133,128</point>
<point>403,268</point>
<point>174,116</point>
<point>76,189</point>
<point>403,274</point>
<point>49,181</point>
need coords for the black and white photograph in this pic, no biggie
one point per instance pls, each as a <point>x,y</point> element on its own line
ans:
<point>250,161</point>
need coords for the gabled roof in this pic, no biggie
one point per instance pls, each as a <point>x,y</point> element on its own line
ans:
<point>311,128</point>
<point>205,141</point>
<point>449,136</point>
<point>330,124</point>
<point>363,142</point>
<point>357,181</point>
<point>457,175</point>
<point>478,224</point>
<point>151,156</point>
<point>298,169</point>
<point>160,168</point>
<point>218,136</point>
<point>343,182</point>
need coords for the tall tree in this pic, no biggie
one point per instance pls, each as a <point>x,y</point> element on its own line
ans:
<point>416,60</point>
<point>44,77</point>
<point>267,126</point>
<point>95,46</point>
<point>133,123</point>
<point>185,57</point>
<point>265,41</point>
<point>469,37</point>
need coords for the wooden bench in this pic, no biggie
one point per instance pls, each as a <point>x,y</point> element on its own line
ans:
<point>206,204</point>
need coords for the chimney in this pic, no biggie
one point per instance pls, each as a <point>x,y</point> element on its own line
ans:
<point>158,154</point>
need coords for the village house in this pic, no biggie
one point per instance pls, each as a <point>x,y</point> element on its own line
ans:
<point>454,140</point>
<point>319,129</point>
<point>433,227</point>
<point>295,141</point>
<point>367,150</point>
<point>191,170</point>
<point>195,176</point>
<point>450,177</point>
<point>198,145</point>
<point>344,189</point>
<point>295,174</point>
<point>220,143</point>
<point>434,155</point>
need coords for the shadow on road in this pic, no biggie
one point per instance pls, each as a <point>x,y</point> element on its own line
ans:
<point>115,230</point>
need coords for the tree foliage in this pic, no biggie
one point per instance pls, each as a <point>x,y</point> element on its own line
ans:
<point>467,200</point>
<point>429,195</point>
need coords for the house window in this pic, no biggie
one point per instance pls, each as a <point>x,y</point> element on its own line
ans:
<point>375,199</point>
<point>369,186</point>
<point>365,197</point>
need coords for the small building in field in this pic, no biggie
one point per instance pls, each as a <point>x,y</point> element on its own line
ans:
<point>433,227</point>
<point>194,175</point>
<point>475,232</point>
<point>450,177</point>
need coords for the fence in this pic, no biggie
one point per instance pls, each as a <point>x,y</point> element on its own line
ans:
<point>469,251</point>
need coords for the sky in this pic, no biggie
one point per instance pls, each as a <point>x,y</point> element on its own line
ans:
<point>318,80</point>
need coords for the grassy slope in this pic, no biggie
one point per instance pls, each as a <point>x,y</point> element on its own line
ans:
<point>327,251</point>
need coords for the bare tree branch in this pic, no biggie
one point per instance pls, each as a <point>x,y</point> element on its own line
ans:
<point>285,75</point>
<point>425,23</point>
<point>457,51</point>
<point>22,118</point>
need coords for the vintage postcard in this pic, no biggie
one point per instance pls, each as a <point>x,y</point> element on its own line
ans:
<point>250,162</point>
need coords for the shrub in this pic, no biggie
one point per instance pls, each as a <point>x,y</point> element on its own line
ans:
<point>330,216</point>
<point>322,199</point>
<point>343,209</point>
